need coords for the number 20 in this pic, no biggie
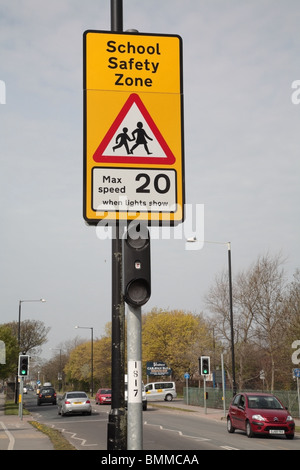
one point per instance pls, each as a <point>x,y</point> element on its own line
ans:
<point>159,186</point>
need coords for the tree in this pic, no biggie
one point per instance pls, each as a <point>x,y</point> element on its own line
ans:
<point>33,334</point>
<point>78,367</point>
<point>292,307</point>
<point>259,321</point>
<point>267,282</point>
<point>11,347</point>
<point>171,336</point>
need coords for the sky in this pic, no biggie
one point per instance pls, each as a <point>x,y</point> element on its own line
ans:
<point>241,131</point>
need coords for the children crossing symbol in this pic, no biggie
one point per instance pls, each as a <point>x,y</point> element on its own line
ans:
<point>134,138</point>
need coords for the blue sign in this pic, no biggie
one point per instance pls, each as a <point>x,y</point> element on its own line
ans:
<point>186,375</point>
<point>296,372</point>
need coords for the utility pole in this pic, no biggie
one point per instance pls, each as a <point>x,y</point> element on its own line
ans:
<point>234,388</point>
<point>117,429</point>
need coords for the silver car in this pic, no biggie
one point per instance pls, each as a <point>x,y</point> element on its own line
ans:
<point>74,402</point>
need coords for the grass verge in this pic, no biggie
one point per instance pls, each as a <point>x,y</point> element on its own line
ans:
<point>58,440</point>
<point>12,408</point>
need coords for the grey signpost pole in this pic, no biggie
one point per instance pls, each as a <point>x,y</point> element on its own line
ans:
<point>134,377</point>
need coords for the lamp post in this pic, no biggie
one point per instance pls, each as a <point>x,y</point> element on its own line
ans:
<point>19,337</point>
<point>193,239</point>
<point>92,354</point>
<point>60,368</point>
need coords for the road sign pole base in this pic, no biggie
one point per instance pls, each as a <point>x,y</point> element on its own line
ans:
<point>117,430</point>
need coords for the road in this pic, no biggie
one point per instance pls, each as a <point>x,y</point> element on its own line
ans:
<point>164,429</point>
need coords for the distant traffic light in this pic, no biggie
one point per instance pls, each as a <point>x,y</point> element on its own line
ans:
<point>205,365</point>
<point>23,365</point>
<point>136,265</point>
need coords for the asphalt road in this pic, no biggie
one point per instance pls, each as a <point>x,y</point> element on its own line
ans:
<point>164,429</point>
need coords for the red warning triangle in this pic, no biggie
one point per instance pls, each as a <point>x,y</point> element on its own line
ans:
<point>134,138</point>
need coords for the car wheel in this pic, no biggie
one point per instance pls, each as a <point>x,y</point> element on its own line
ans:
<point>249,431</point>
<point>290,436</point>
<point>230,428</point>
<point>169,397</point>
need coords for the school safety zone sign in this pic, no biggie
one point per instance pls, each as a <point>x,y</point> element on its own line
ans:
<point>133,128</point>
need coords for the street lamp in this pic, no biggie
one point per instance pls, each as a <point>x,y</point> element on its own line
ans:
<point>60,368</point>
<point>194,239</point>
<point>92,354</point>
<point>19,338</point>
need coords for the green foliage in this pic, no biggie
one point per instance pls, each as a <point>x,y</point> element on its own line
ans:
<point>11,346</point>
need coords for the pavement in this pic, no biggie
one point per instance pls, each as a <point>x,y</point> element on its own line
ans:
<point>17,434</point>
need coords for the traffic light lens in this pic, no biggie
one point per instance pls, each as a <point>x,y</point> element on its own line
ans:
<point>138,292</point>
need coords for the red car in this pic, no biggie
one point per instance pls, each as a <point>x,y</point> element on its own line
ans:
<point>103,396</point>
<point>259,413</point>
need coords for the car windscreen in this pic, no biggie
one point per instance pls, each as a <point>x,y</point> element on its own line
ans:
<point>47,391</point>
<point>264,403</point>
<point>105,392</point>
<point>77,395</point>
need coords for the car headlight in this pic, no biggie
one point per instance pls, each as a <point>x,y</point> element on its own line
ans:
<point>258,418</point>
<point>289,418</point>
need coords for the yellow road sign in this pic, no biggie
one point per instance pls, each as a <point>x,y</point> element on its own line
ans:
<point>133,129</point>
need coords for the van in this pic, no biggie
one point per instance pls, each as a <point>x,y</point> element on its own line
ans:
<point>161,391</point>
<point>144,397</point>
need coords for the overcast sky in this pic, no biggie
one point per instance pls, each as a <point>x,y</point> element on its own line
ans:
<point>241,153</point>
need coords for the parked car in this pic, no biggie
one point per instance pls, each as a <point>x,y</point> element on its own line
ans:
<point>259,413</point>
<point>46,395</point>
<point>74,402</point>
<point>103,396</point>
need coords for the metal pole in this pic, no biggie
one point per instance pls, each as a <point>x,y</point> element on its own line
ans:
<point>19,345</point>
<point>204,387</point>
<point>223,384</point>
<point>21,398</point>
<point>116,15</point>
<point>92,361</point>
<point>116,432</point>
<point>234,389</point>
<point>298,391</point>
<point>134,374</point>
<point>187,390</point>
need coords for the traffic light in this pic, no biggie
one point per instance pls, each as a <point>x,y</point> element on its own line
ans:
<point>205,365</point>
<point>136,265</point>
<point>23,365</point>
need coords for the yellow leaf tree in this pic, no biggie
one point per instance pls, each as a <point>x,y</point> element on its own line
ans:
<point>177,338</point>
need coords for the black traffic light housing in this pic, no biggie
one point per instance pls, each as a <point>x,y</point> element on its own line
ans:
<point>23,365</point>
<point>136,265</point>
<point>204,365</point>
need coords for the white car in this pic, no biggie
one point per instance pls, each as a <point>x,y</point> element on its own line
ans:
<point>74,402</point>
